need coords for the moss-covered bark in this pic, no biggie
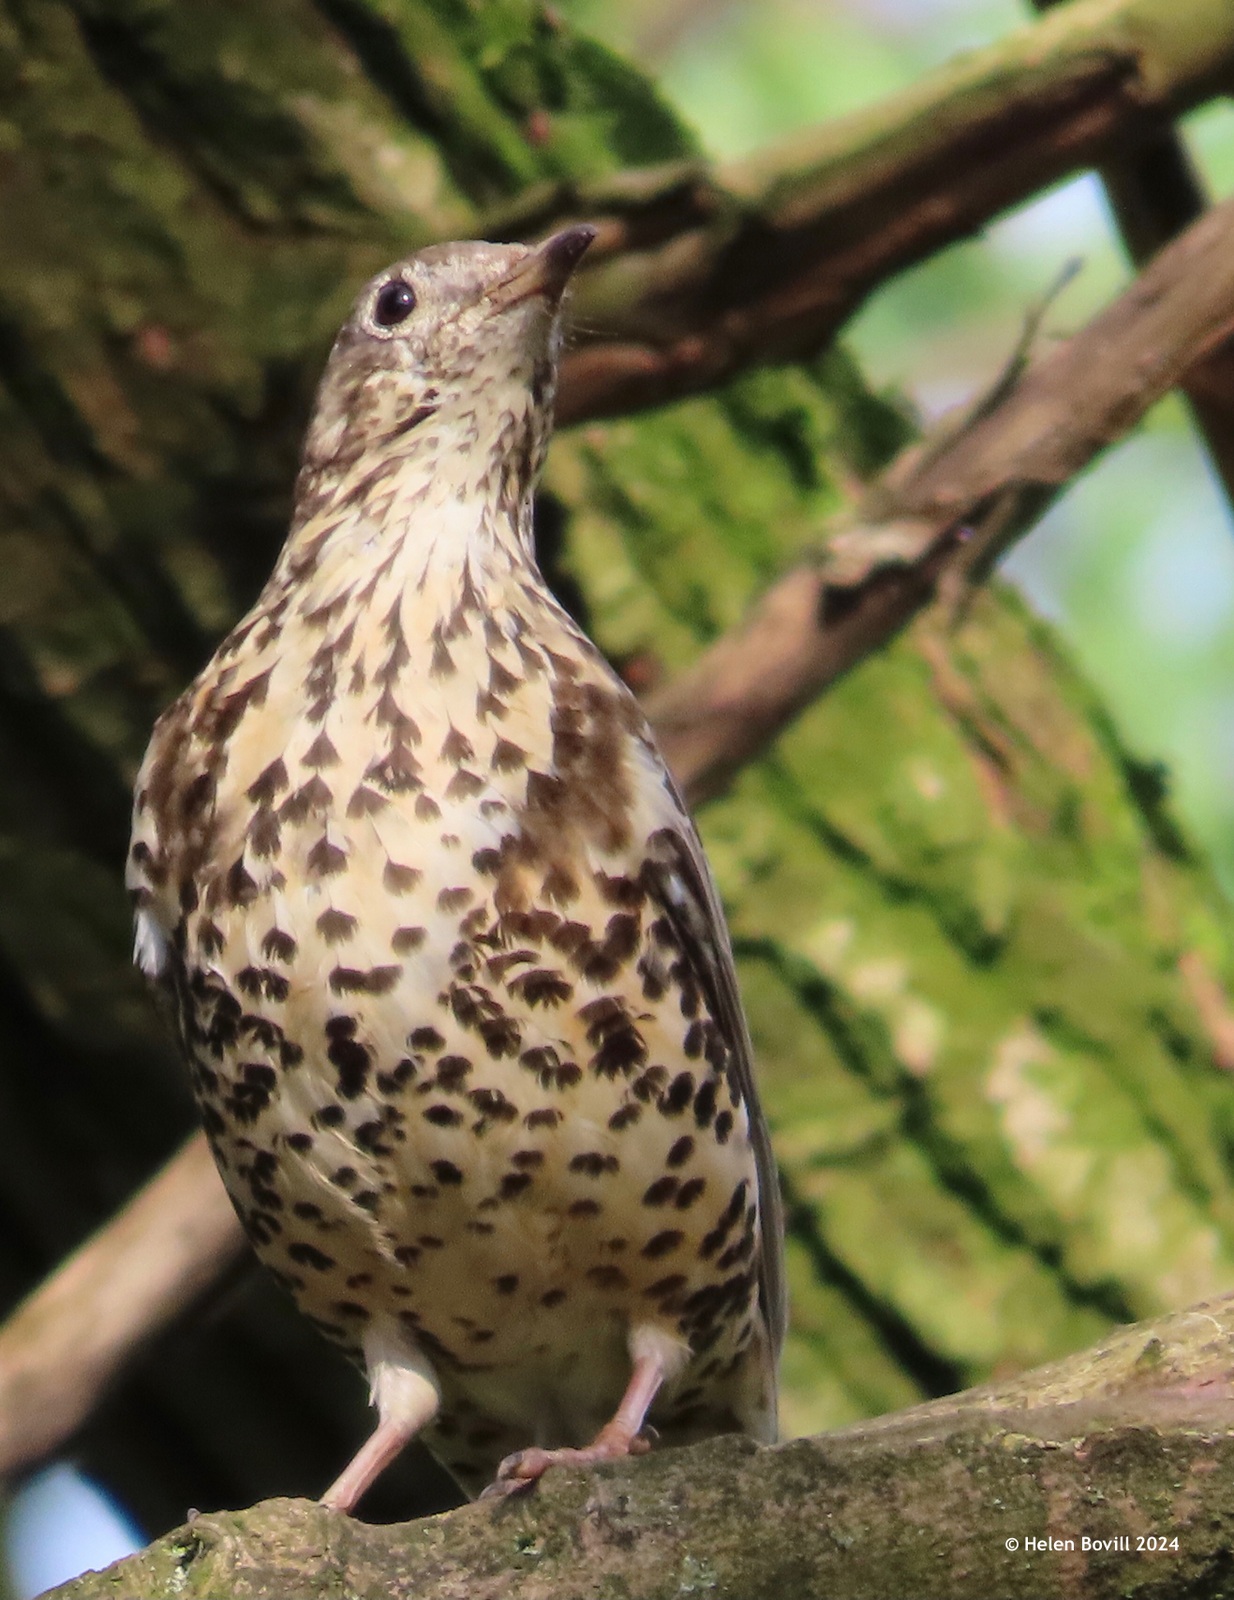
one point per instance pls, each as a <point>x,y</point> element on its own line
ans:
<point>960,907</point>
<point>1111,1474</point>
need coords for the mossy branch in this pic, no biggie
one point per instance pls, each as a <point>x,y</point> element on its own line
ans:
<point>991,1492</point>
<point>698,273</point>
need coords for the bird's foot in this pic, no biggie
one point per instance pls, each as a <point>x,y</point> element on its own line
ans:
<point>525,1468</point>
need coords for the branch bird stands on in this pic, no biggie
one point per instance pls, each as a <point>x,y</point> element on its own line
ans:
<point>450,971</point>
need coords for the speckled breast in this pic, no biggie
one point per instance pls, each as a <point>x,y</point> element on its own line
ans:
<point>458,1070</point>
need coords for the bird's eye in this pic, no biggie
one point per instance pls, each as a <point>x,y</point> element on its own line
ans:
<point>394,304</point>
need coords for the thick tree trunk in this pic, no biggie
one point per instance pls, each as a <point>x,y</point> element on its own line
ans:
<point>984,972</point>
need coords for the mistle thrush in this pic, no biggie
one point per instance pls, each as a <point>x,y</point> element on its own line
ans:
<point>449,967</point>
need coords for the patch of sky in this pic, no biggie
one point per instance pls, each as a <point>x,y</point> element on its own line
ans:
<point>58,1525</point>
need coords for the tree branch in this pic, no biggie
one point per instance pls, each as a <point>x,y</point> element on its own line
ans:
<point>947,508</point>
<point>63,1347</point>
<point>1155,191</point>
<point>696,275</point>
<point>1132,1440</point>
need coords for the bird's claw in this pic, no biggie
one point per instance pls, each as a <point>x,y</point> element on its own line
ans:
<point>523,1470</point>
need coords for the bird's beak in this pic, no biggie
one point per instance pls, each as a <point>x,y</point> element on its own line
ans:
<point>547,270</point>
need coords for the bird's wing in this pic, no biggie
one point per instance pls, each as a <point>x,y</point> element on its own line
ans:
<point>678,878</point>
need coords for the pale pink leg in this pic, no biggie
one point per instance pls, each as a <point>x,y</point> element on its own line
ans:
<point>406,1395</point>
<point>618,1437</point>
<point>369,1462</point>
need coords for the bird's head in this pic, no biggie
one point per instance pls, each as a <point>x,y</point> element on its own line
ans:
<point>444,372</point>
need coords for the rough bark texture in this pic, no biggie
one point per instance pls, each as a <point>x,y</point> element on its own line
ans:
<point>986,976</point>
<point>990,1493</point>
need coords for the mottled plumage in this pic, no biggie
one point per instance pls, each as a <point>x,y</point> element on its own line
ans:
<point>450,972</point>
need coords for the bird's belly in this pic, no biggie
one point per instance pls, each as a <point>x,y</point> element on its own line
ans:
<point>506,1130</point>
<point>492,1238</point>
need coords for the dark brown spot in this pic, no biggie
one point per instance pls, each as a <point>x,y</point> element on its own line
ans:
<point>680,1152</point>
<point>663,1244</point>
<point>607,1277</point>
<point>398,879</point>
<point>442,1115</point>
<point>542,1117</point>
<point>456,748</point>
<point>463,785</point>
<point>405,940</point>
<point>271,782</point>
<point>560,886</point>
<point>442,665</point>
<point>263,982</point>
<point>314,796</point>
<point>279,946</point>
<point>584,1208</point>
<point>321,753</point>
<point>402,1072</point>
<point>592,1163</point>
<point>326,859</point>
<point>335,926</point>
<point>678,1095</point>
<point>673,1284</point>
<point>445,1172</point>
<point>661,1191</point>
<point>507,1283</point>
<point>620,891</point>
<point>625,1116</point>
<point>500,679</point>
<point>541,987</point>
<point>705,1102</point>
<point>308,1255</point>
<point>454,899</point>
<point>371,980</point>
<point>552,1298</point>
<point>352,1060</point>
<point>501,1036</point>
<point>508,757</point>
<point>365,802</point>
<point>513,1183</point>
<point>264,835</point>
<point>452,1071</point>
<point>493,1104</point>
<point>397,772</point>
<point>690,1191</point>
<point>241,886</point>
<point>623,1050</point>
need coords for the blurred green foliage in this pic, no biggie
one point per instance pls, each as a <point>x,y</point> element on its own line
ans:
<point>1136,564</point>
